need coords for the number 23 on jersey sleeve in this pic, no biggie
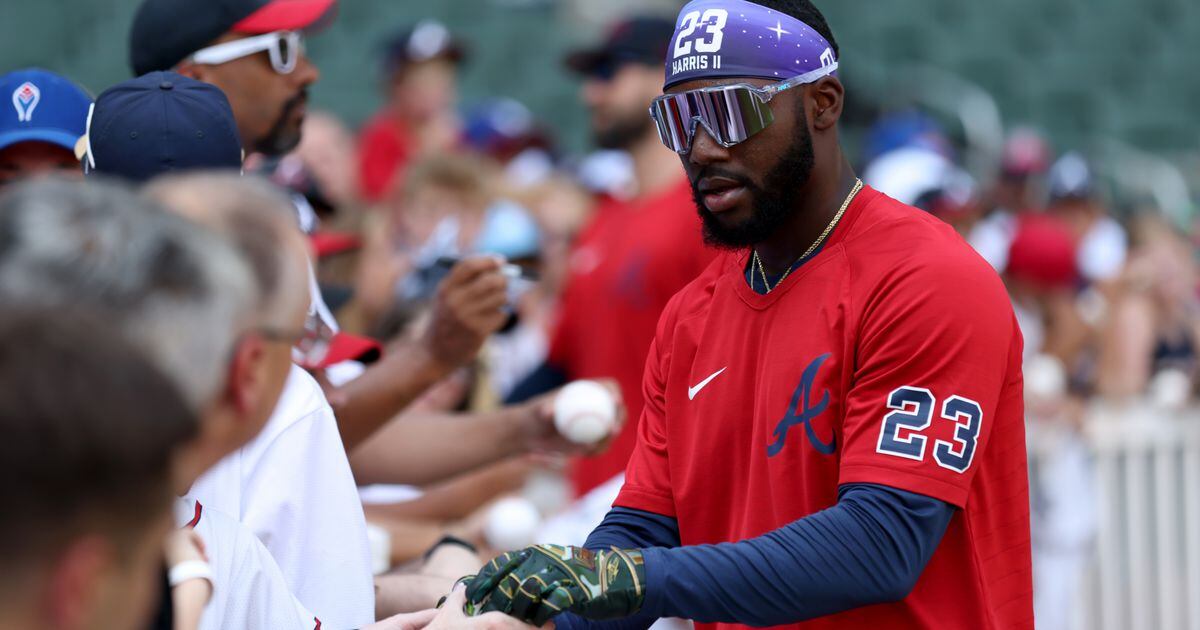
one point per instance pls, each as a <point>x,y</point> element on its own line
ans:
<point>932,365</point>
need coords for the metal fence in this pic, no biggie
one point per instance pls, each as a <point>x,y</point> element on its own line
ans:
<point>1140,563</point>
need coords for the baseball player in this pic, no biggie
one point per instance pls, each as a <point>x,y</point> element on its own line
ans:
<point>832,434</point>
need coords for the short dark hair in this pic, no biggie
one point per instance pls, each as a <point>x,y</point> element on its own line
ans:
<point>806,12</point>
<point>88,428</point>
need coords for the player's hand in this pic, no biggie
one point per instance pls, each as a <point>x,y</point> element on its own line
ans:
<point>468,307</point>
<point>539,582</point>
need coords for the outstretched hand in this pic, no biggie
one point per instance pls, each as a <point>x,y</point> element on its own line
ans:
<point>453,616</point>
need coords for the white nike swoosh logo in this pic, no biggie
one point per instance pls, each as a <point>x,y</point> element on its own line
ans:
<point>692,391</point>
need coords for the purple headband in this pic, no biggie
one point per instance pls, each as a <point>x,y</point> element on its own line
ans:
<point>735,38</point>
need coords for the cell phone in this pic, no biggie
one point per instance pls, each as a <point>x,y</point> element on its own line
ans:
<point>510,271</point>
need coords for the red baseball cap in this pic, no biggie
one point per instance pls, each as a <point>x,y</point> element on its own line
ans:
<point>285,15</point>
<point>1043,252</point>
<point>347,347</point>
<point>327,244</point>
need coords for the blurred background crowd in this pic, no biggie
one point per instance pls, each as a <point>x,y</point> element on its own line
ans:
<point>1057,137</point>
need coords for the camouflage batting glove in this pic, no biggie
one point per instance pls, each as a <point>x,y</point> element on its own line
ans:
<point>539,582</point>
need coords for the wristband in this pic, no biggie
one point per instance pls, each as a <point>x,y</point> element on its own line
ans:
<point>450,540</point>
<point>189,570</point>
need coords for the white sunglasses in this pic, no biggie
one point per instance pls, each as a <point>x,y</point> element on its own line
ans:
<point>284,47</point>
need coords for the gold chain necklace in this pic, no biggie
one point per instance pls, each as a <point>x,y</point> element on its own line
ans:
<point>811,248</point>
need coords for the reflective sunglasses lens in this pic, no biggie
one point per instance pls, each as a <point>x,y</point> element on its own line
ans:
<point>659,116</point>
<point>673,117</point>
<point>733,114</point>
<point>730,115</point>
<point>754,114</point>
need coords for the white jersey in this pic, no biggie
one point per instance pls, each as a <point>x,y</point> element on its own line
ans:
<point>249,591</point>
<point>292,487</point>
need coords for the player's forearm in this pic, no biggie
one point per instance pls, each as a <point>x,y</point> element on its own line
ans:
<point>421,449</point>
<point>868,549</point>
<point>460,496</point>
<point>384,390</point>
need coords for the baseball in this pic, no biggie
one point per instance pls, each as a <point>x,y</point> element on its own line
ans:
<point>512,523</point>
<point>584,412</point>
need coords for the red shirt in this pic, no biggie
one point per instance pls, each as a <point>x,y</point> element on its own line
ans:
<point>892,357</point>
<point>625,266</point>
<point>384,147</point>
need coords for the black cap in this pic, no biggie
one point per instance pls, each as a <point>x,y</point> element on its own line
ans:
<point>425,40</point>
<point>161,122</point>
<point>165,32</point>
<point>642,39</point>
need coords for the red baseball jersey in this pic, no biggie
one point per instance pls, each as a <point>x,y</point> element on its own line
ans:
<point>893,358</point>
<point>625,266</point>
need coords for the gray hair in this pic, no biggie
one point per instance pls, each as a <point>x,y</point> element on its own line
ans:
<point>249,212</point>
<point>178,291</point>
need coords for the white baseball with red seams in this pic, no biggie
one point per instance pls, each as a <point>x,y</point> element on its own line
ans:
<point>584,412</point>
<point>512,523</point>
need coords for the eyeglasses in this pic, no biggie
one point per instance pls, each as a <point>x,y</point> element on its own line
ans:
<point>284,47</point>
<point>730,113</point>
<point>310,345</point>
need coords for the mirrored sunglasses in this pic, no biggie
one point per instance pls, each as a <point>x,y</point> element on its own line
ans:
<point>729,113</point>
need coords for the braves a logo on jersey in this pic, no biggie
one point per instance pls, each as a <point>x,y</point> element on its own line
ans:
<point>25,99</point>
<point>800,412</point>
<point>631,282</point>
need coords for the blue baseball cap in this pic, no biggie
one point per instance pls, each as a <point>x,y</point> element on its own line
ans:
<point>159,122</point>
<point>38,105</point>
<point>509,230</point>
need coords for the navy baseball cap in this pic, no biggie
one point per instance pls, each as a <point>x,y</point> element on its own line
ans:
<point>641,39</point>
<point>165,32</point>
<point>425,40</point>
<point>161,122</point>
<point>1071,178</point>
<point>40,106</point>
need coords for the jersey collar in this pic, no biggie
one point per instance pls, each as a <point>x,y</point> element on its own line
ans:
<point>828,251</point>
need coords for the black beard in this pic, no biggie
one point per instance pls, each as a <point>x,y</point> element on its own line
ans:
<point>774,202</point>
<point>280,139</point>
<point>623,132</point>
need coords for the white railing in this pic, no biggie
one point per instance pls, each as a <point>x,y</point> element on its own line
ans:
<point>1142,567</point>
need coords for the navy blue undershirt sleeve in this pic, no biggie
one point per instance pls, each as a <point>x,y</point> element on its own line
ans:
<point>870,548</point>
<point>625,528</point>
<point>544,378</point>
